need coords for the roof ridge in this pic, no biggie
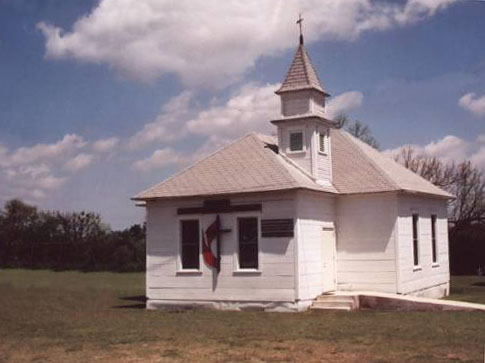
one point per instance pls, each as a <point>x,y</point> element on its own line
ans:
<point>356,145</point>
<point>187,168</point>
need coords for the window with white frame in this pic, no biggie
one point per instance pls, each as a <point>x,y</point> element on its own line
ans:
<point>433,238</point>
<point>190,244</point>
<point>248,232</point>
<point>416,239</point>
<point>296,141</point>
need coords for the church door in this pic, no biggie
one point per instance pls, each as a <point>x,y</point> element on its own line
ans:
<point>329,260</point>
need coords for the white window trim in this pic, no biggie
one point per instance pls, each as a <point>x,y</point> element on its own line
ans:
<point>294,130</point>
<point>180,269</point>
<point>236,269</point>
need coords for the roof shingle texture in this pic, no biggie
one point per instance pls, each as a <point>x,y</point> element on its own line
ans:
<point>247,165</point>
<point>302,74</point>
<point>359,168</point>
<point>250,164</point>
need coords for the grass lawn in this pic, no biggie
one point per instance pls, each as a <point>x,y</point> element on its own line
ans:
<point>468,288</point>
<point>73,317</point>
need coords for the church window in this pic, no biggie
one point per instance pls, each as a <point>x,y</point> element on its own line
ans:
<point>433,238</point>
<point>416,239</point>
<point>190,244</point>
<point>296,141</point>
<point>248,242</point>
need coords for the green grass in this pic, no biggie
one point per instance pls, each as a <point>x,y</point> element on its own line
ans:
<point>74,316</point>
<point>468,288</point>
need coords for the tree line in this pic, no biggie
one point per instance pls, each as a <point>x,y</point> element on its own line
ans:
<point>32,238</point>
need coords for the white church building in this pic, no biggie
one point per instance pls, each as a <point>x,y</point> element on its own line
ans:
<point>274,222</point>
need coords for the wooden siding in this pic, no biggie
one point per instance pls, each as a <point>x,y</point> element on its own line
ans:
<point>323,161</point>
<point>274,282</point>
<point>315,211</point>
<point>301,158</point>
<point>366,243</point>
<point>311,160</point>
<point>428,274</point>
<point>297,103</point>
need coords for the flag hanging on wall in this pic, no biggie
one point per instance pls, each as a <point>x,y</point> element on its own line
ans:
<point>211,234</point>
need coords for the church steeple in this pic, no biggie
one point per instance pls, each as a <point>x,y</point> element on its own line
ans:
<point>302,74</point>
<point>303,130</point>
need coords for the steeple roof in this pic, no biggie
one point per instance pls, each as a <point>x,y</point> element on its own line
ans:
<point>302,74</point>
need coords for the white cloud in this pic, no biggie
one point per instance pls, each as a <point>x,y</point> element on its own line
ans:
<point>25,155</point>
<point>213,42</point>
<point>32,172</point>
<point>473,103</point>
<point>160,159</point>
<point>106,145</point>
<point>168,125</point>
<point>29,181</point>
<point>251,108</point>
<point>79,162</point>
<point>344,103</point>
<point>450,149</point>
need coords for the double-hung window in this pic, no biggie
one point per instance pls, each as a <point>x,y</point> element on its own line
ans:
<point>248,242</point>
<point>190,244</point>
<point>433,238</point>
<point>416,239</point>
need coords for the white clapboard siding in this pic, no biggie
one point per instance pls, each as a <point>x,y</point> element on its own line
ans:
<point>274,281</point>
<point>315,211</point>
<point>323,161</point>
<point>366,257</point>
<point>427,275</point>
<point>295,104</point>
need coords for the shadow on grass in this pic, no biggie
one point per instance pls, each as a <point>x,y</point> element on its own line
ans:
<point>139,298</point>
<point>479,284</point>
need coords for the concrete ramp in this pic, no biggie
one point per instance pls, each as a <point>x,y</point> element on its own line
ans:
<point>394,302</point>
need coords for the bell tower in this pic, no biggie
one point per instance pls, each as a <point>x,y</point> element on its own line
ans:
<point>303,130</point>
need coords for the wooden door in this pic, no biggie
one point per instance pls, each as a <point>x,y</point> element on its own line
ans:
<point>329,265</point>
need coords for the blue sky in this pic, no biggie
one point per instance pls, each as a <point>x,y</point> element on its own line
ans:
<point>101,99</point>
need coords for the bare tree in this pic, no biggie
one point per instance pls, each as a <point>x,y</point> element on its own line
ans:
<point>429,167</point>
<point>469,189</point>
<point>357,129</point>
<point>464,180</point>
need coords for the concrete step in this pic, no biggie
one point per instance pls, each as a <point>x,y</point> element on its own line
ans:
<point>333,304</point>
<point>350,299</point>
<point>336,302</point>
<point>326,306</point>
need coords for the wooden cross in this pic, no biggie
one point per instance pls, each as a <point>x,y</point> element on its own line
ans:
<point>300,23</point>
<point>218,242</point>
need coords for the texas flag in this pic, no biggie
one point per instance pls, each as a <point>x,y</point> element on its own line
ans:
<point>211,234</point>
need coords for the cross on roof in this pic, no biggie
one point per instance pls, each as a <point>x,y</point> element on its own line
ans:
<point>300,23</point>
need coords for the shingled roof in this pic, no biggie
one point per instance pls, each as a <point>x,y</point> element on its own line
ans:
<point>359,168</point>
<point>252,164</point>
<point>249,164</point>
<point>301,75</point>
